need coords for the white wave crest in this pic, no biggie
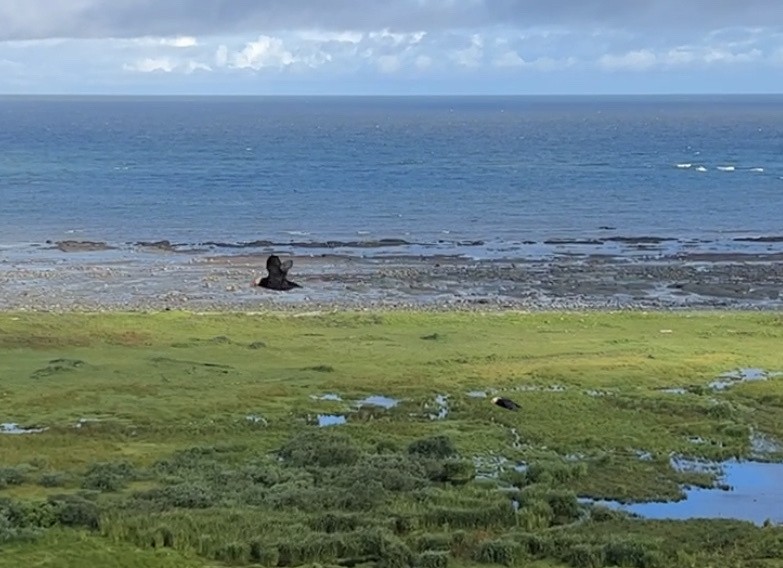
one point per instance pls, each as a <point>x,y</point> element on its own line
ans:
<point>726,168</point>
<point>684,166</point>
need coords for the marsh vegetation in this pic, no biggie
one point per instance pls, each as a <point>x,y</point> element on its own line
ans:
<point>351,439</point>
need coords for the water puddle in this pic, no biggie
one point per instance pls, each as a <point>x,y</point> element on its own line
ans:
<point>597,393</point>
<point>489,467</point>
<point>643,455</point>
<point>256,419</point>
<point>82,422</point>
<point>742,375</point>
<point>327,396</point>
<point>443,407</point>
<point>747,491</point>
<point>378,400</point>
<point>331,420</point>
<point>675,390</point>
<point>477,394</point>
<point>12,428</point>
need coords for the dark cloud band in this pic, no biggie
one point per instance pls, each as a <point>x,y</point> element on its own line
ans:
<point>36,19</point>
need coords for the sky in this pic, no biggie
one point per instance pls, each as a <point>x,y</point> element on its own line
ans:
<point>336,47</point>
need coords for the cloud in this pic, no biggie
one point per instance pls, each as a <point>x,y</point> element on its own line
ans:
<point>370,45</point>
<point>693,56</point>
<point>181,41</point>
<point>264,52</point>
<point>150,64</point>
<point>36,19</point>
<point>327,37</point>
<point>8,64</point>
<point>637,60</point>
<point>165,65</point>
<point>389,63</point>
<point>512,59</point>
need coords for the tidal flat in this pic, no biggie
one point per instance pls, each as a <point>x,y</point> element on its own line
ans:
<point>367,438</point>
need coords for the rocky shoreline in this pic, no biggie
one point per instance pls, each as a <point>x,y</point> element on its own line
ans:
<point>81,281</point>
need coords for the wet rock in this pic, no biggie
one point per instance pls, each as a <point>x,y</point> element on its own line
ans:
<point>160,246</point>
<point>82,246</point>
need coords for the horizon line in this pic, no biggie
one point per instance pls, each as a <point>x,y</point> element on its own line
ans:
<point>393,95</point>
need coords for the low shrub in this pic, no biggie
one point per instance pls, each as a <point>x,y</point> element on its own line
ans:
<point>585,556</point>
<point>12,476</point>
<point>233,553</point>
<point>535,545</point>
<point>75,511</point>
<point>435,447</point>
<point>53,479</point>
<point>432,559</point>
<point>183,495</point>
<point>432,542</point>
<point>320,449</point>
<point>503,552</point>
<point>555,472</point>
<point>632,553</point>
<point>334,522</point>
<point>109,476</point>
<point>457,472</point>
<point>262,554</point>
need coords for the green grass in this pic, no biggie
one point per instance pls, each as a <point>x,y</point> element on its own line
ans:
<point>175,473</point>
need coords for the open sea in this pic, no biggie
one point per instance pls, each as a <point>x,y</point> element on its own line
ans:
<point>481,176</point>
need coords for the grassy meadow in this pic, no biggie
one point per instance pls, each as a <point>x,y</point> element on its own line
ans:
<point>180,439</point>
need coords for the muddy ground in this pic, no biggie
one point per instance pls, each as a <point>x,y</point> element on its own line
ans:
<point>83,281</point>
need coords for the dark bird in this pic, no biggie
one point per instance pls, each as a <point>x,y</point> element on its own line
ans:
<point>278,275</point>
<point>505,403</point>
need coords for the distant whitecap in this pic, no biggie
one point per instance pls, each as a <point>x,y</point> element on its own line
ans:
<point>701,169</point>
<point>726,168</point>
<point>684,166</point>
<point>757,170</point>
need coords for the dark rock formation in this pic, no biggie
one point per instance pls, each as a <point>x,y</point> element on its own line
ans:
<point>278,275</point>
<point>82,246</point>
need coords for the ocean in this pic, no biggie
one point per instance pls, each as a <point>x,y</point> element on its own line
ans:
<point>477,176</point>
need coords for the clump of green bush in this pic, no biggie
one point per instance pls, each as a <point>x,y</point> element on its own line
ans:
<point>24,520</point>
<point>436,447</point>
<point>12,476</point>
<point>320,449</point>
<point>432,559</point>
<point>504,552</point>
<point>53,479</point>
<point>108,476</point>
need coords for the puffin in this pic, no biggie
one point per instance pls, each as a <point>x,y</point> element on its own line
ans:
<point>278,275</point>
<point>506,403</point>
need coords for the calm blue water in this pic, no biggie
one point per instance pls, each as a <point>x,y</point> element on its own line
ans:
<point>502,170</point>
<point>755,495</point>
